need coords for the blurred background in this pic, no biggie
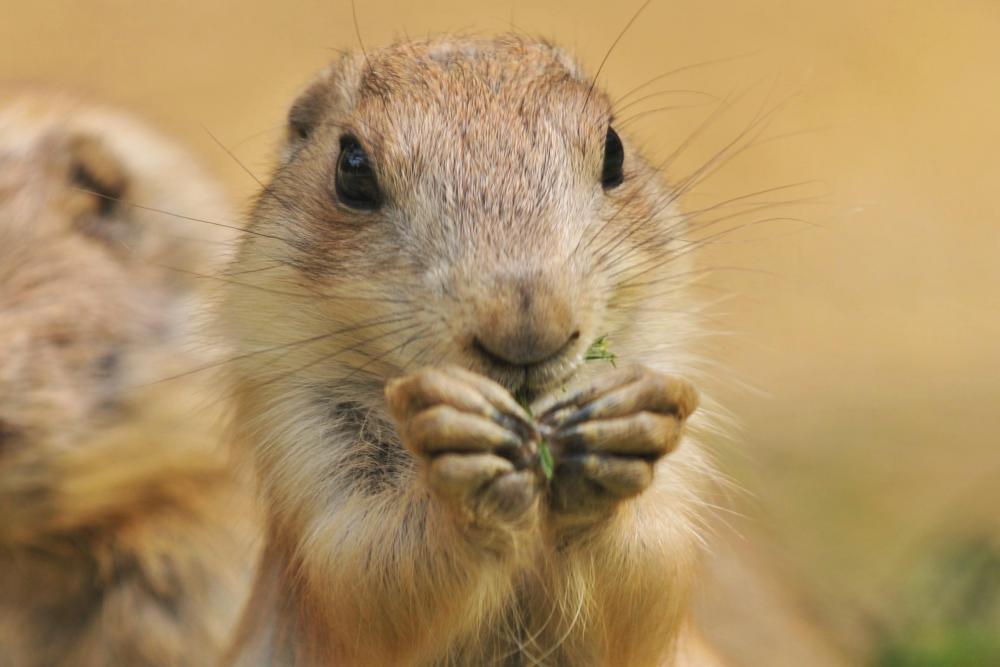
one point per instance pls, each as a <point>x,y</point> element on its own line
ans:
<point>854,306</point>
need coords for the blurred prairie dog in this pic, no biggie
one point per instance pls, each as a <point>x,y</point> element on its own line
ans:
<point>124,539</point>
<point>451,223</point>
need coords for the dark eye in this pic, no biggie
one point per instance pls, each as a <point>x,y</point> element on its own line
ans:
<point>356,183</point>
<point>614,156</point>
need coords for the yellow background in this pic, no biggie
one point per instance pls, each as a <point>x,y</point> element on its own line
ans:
<point>860,349</point>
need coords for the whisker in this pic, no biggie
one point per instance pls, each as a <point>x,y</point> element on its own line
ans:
<point>759,124</point>
<point>756,193</point>
<point>251,137</point>
<point>294,295</point>
<point>417,355</point>
<point>684,68</point>
<point>691,248</point>
<point>313,294</point>
<point>607,259</point>
<point>246,355</point>
<point>660,93</point>
<point>276,265</point>
<point>655,173</point>
<point>349,375</point>
<point>707,168</point>
<point>327,357</point>
<point>625,122</point>
<point>607,55</point>
<point>177,215</point>
<point>684,281</point>
<point>421,334</point>
<point>265,189</point>
<point>357,32</point>
<point>702,226</point>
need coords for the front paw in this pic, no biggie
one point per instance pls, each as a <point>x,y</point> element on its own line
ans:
<point>608,436</point>
<point>477,444</point>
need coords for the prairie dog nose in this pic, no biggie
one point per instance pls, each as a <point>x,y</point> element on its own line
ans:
<point>523,321</point>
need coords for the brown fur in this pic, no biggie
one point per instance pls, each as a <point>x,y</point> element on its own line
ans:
<point>124,538</point>
<point>489,152</point>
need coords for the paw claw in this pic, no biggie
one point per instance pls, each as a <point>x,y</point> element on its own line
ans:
<point>611,433</point>
<point>476,443</point>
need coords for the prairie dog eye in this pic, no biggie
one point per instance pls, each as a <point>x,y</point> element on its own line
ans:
<point>614,157</point>
<point>356,184</point>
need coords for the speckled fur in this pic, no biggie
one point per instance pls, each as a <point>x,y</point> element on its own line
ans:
<point>489,152</point>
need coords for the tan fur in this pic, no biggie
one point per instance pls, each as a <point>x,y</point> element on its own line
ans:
<point>124,537</point>
<point>489,152</point>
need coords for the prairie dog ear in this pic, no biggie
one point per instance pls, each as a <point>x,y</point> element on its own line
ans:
<point>306,112</point>
<point>98,183</point>
<point>95,169</point>
<point>332,88</point>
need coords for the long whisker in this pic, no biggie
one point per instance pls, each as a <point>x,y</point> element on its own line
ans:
<point>607,55</point>
<point>180,216</point>
<point>420,334</point>
<point>244,140</point>
<point>332,355</point>
<point>757,127</point>
<point>625,122</point>
<point>660,93</point>
<point>207,276</point>
<point>351,374</point>
<point>357,32</point>
<point>756,193</point>
<point>607,259</point>
<point>758,124</point>
<point>397,317</point>
<point>276,265</point>
<point>417,355</point>
<point>655,173</point>
<point>313,294</point>
<point>678,70</point>
<point>687,275</point>
<point>686,251</point>
<point>266,189</point>
<point>702,225</point>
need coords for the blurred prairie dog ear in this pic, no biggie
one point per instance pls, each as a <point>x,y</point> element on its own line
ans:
<point>97,182</point>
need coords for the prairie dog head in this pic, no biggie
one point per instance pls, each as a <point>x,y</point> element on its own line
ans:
<point>457,200</point>
<point>88,308</point>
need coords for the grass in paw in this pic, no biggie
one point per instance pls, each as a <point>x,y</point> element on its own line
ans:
<point>598,351</point>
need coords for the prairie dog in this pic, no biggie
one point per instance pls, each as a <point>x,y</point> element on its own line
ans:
<point>124,539</point>
<point>451,224</point>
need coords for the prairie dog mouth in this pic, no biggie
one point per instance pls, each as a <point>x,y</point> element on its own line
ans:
<point>533,381</point>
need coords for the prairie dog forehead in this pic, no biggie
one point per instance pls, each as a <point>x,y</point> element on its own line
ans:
<point>504,65</point>
<point>491,100</point>
<point>460,77</point>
